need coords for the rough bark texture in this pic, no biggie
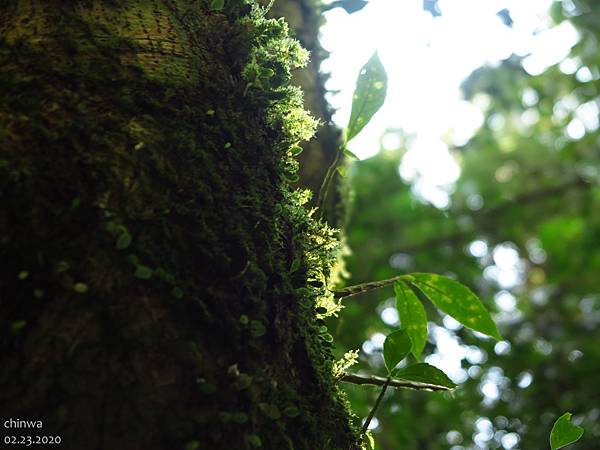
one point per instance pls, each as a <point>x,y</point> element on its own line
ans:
<point>161,278</point>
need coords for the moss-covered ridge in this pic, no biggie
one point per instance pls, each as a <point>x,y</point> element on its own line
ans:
<point>163,278</point>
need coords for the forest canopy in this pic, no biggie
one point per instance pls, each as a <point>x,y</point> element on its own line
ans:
<point>521,228</point>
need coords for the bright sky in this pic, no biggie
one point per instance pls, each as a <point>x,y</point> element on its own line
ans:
<point>426,59</point>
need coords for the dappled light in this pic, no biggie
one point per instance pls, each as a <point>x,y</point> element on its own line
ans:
<point>482,166</point>
<point>300,224</point>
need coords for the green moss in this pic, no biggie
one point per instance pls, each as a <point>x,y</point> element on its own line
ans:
<point>115,171</point>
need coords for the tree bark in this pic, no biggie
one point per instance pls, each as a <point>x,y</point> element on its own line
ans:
<point>161,277</point>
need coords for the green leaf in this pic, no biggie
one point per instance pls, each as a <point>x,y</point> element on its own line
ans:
<point>143,272</point>
<point>369,95</point>
<point>564,432</point>
<point>396,347</point>
<point>270,410</point>
<point>341,170</point>
<point>216,5</point>
<point>349,154</point>
<point>455,300</point>
<point>296,150</point>
<point>295,265</point>
<point>124,240</point>
<point>425,373</point>
<point>80,288</point>
<point>412,317</point>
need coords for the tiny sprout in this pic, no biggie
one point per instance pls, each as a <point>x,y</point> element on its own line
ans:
<point>244,319</point>
<point>227,145</point>
<point>210,112</point>
<point>23,274</point>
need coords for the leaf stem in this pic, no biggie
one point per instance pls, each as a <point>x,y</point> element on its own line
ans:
<point>324,189</point>
<point>380,381</point>
<point>375,406</point>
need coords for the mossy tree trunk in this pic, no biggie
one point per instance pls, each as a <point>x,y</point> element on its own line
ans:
<point>305,19</point>
<point>161,279</point>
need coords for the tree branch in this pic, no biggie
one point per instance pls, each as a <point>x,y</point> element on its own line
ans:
<point>380,381</point>
<point>364,287</point>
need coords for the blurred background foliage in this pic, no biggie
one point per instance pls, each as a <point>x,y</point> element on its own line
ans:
<point>522,229</point>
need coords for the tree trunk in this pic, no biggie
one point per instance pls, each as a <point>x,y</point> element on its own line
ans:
<point>161,278</point>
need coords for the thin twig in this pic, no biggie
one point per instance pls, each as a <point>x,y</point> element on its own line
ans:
<point>364,287</point>
<point>380,381</point>
<point>375,406</point>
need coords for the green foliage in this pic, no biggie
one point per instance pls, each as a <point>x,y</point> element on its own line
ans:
<point>268,73</point>
<point>564,432</point>
<point>425,373</point>
<point>528,188</point>
<point>396,347</point>
<point>412,316</point>
<point>455,300</point>
<point>368,97</point>
<point>216,5</point>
